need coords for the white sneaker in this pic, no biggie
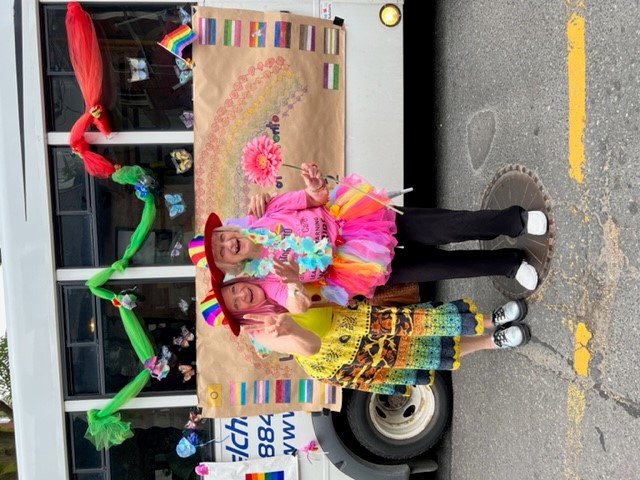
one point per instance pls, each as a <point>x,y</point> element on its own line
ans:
<point>527,276</point>
<point>512,336</point>
<point>513,311</point>
<point>536,223</point>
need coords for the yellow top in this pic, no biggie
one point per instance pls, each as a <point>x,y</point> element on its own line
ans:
<point>317,319</point>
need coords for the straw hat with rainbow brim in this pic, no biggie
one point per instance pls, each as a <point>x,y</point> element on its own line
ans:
<point>200,248</point>
<point>213,309</point>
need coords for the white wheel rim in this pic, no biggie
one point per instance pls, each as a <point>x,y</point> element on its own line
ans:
<point>402,418</point>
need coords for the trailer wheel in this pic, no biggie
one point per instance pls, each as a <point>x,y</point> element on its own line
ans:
<point>395,427</point>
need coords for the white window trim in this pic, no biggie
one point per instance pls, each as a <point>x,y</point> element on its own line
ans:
<point>131,273</point>
<point>125,138</point>
<point>172,401</point>
<point>27,251</point>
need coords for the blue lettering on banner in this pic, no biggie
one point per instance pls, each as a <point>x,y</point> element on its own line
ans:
<point>274,126</point>
<point>266,437</point>
<point>288,433</point>
<point>237,429</point>
<point>266,418</point>
<point>239,438</point>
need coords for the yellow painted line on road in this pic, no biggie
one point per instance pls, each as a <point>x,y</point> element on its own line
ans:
<point>577,87</point>
<point>575,414</point>
<point>577,93</point>
<point>576,401</point>
<point>581,354</point>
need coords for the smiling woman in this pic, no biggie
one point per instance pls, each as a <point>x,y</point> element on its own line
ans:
<point>230,246</point>
<point>243,296</point>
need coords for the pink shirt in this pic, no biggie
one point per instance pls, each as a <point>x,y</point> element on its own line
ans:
<point>287,213</point>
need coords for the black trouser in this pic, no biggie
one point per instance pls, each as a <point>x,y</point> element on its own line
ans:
<point>421,230</point>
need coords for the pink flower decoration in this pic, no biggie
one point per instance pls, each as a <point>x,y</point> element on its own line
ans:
<point>202,469</point>
<point>261,158</point>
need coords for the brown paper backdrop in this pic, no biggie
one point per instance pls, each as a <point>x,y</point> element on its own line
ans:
<point>238,91</point>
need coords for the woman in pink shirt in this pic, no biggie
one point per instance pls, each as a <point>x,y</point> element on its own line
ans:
<point>343,243</point>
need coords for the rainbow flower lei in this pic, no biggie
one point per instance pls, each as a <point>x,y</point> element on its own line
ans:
<point>309,254</point>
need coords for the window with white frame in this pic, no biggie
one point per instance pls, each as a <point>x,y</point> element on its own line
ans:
<point>147,95</point>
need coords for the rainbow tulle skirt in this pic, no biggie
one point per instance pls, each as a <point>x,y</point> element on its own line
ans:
<point>365,247</point>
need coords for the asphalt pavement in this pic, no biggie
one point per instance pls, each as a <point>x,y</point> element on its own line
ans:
<point>550,88</point>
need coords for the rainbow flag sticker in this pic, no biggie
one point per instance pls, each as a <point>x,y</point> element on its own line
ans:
<point>176,40</point>
<point>257,34</point>
<point>275,475</point>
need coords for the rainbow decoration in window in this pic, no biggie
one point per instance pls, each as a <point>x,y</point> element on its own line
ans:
<point>277,475</point>
<point>176,40</point>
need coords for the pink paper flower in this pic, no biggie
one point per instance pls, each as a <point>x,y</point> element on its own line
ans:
<point>261,158</point>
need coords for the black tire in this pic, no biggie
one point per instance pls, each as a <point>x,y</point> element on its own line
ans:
<point>400,428</point>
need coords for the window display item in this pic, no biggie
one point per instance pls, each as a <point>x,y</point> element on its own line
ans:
<point>176,40</point>
<point>138,68</point>
<point>86,59</point>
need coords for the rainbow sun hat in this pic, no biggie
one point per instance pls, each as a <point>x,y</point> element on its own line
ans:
<point>212,306</point>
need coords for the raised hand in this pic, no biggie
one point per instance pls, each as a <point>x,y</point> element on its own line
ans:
<point>313,179</point>
<point>276,325</point>
<point>288,272</point>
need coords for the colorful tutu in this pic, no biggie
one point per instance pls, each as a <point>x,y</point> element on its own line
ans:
<point>366,243</point>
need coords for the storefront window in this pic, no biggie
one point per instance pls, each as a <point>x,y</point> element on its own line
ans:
<point>149,454</point>
<point>96,217</point>
<point>144,87</point>
<point>100,356</point>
